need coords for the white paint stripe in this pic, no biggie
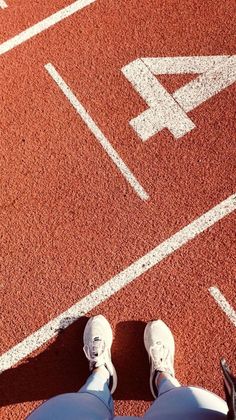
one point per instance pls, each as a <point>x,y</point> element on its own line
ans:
<point>43,25</point>
<point>143,264</point>
<point>223,304</point>
<point>130,178</point>
<point>3,4</point>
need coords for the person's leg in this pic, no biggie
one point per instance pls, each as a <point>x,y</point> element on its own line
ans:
<point>172,400</point>
<point>93,401</point>
<point>187,403</point>
<point>73,406</point>
<point>165,382</point>
<point>98,385</point>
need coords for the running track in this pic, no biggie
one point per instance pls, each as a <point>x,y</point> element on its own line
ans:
<point>95,220</point>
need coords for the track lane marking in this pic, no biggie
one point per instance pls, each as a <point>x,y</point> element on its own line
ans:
<point>163,109</point>
<point>110,287</point>
<point>207,84</point>
<point>170,110</point>
<point>223,304</point>
<point>43,25</point>
<point>3,4</point>
<point>183,64</point>
<point>115,157</point>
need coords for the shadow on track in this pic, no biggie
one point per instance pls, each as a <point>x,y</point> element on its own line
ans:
<point>62,367</point>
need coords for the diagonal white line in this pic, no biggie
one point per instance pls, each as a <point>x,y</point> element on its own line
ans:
<point>126,172</point>
<point>43,25</point>
<point>143,264</point>
<point>223,304</point>
<point>3,4</point>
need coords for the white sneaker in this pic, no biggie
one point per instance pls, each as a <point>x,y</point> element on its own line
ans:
<point>160,345</point>
<point>97,346</point>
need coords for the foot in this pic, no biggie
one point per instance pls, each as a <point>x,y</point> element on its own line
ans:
<point>160,346</point>
<point>97,347</point>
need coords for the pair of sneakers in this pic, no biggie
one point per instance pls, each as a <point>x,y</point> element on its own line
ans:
<point>158,341</point>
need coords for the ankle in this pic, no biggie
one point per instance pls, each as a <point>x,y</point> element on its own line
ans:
<point>160,376</point>
<point>103,372</point>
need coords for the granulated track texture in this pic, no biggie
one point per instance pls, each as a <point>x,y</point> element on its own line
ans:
<point>70,220</point>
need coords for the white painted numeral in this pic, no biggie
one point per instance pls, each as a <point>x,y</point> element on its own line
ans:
<point>170,110</point>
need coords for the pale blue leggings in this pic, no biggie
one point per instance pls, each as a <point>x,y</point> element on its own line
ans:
<point>94,402</point>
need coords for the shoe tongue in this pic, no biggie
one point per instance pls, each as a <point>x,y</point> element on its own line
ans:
<point>159,352</point>
<point>97,346</point>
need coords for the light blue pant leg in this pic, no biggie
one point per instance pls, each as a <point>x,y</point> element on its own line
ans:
<point>97,386</point>
<point>188,403</point>
<point>92,402</point>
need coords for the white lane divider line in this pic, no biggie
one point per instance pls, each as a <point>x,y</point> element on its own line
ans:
<point>109,288</point>
<point>43,25</point>
<point>3,4</point>
<point>223,304</point>
<point>126,172</point>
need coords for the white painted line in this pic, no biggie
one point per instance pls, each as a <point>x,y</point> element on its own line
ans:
<point>223,304</point>
<point>143,264</point>
<point>43,25</point>
<point>130,178</point>
<point>3,4</point>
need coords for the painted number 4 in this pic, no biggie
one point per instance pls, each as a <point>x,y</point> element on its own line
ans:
<point>171,110</point>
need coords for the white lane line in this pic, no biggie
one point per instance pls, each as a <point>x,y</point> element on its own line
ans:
<point>3,4</point>
<point>130,178</point>
<point>223,304</point>
<point>136,269</point>
<point>43,25</point>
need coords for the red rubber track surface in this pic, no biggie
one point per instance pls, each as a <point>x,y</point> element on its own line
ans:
<point>68,219</point>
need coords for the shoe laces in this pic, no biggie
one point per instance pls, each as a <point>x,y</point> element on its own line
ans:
<point>160,356</point>
<point>95,352</point>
